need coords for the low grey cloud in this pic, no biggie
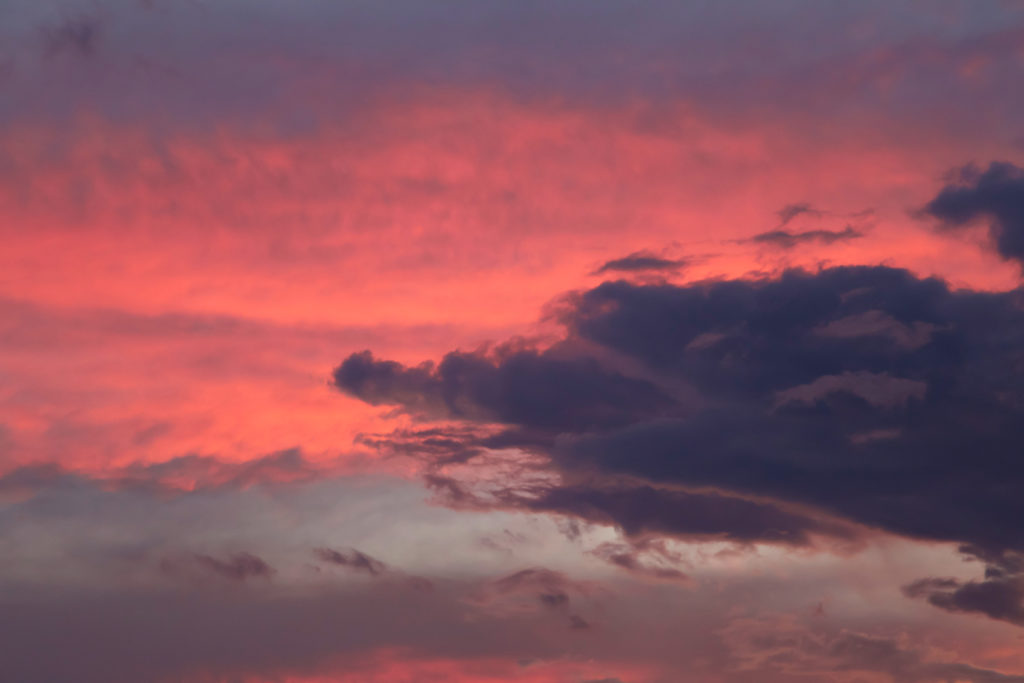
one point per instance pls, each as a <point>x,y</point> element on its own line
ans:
<point>236,567</point>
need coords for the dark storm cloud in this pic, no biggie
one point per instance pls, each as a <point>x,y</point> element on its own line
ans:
<point>645,509</point>
<point>999,595</point>
<point>864,393</point>
<point>785,239</point>
<point>999,598</point>
<point>996,195</point>
<point>538,389</point>
<point>864,424</point>
<point>639,262</point>
<point>351,559</point>
<point>641,511</point>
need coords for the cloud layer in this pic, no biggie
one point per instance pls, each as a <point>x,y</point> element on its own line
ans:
<point>857,393</point>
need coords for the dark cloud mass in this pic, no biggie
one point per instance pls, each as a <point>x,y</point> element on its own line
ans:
<point>996,195</point>
<point>647,509</point>
<point>1000,595</point>
<point>539,390</point>
<point>865,393</point>
<point>1000,598</point>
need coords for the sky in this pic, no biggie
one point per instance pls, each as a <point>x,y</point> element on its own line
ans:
<point>481,341</point>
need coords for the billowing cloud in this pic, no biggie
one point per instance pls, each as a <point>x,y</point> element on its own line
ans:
<point>996,195</point>
<point>779,397</point>
<point>999,595</point>
<point>546,391</point>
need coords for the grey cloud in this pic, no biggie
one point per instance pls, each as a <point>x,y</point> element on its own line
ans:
<point>237,567</point>
<point>352,559</point>
<point>632,560</point>
<point>791,211</point>
<point>860,393</point>
<point>548,390</point>
<point>995,194</point>
<point>1000,595</point>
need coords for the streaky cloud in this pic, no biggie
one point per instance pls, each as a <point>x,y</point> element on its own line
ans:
<point>785,239</point>
<point>641,261</point>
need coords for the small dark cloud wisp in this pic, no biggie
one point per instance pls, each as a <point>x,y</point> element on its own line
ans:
<point>791,211</point>
<point>641,262</point>
<point>353,559</point>
<point>237,567</point>
<point>785,239</point>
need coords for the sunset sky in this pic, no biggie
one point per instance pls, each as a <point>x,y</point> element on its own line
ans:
<point>474,341</point>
